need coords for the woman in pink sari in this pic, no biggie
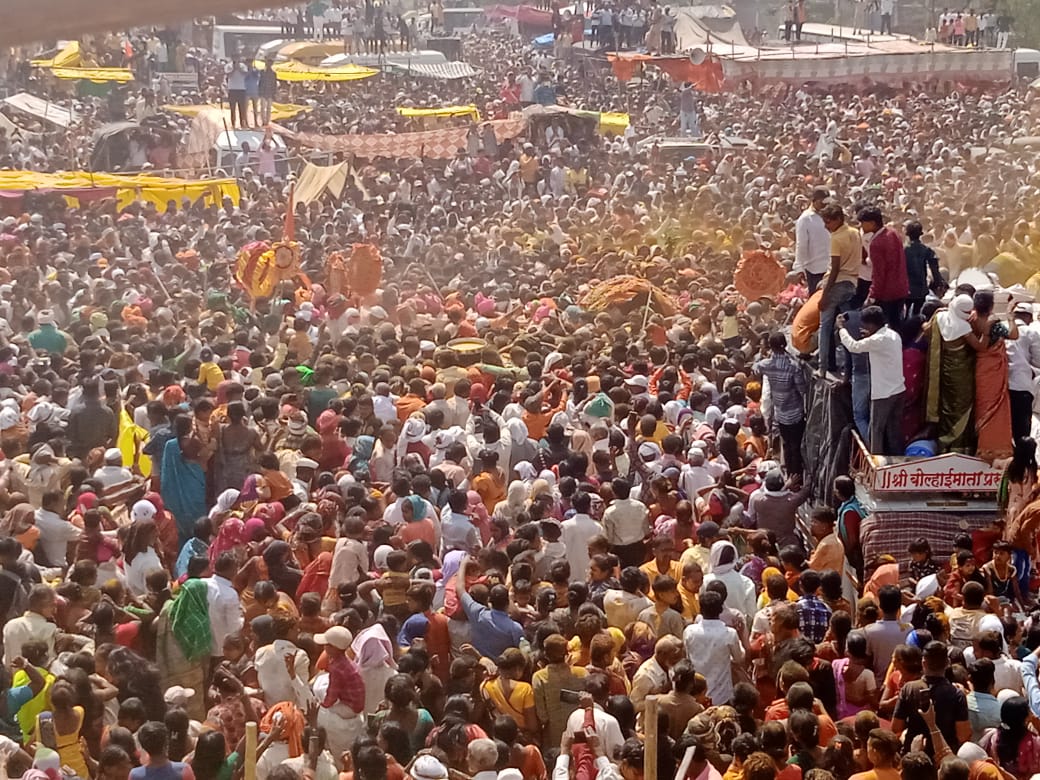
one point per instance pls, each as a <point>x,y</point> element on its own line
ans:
<point>992,402</point>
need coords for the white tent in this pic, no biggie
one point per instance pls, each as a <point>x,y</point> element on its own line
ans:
<point>43,109</point>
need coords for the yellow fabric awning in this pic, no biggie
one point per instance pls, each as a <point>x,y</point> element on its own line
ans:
<point>444,111</point>
<point>99,75</point>
<point>613,123</point>
<point>279,111</point>
<point>68,57</point>
<point>128,188</point>
<point>298,71</point>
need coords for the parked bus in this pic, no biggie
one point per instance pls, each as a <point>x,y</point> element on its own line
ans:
<point>241,39</point>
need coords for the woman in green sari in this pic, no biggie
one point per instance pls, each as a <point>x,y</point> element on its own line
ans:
<point>951,376</point>
<point>184,643</point>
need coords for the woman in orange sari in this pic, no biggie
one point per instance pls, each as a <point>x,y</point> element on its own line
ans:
<point>992,402</point>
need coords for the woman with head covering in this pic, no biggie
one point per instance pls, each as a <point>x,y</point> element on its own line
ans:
<point>164,525</point>
<point>581,442</point>
<point>523,448</point>
<point>315,576</point>
<point>526,472</point>
<point>740,590</point>
<point>510,509</point>
<point>196,547</point>
<point>410,440</point>
<point>951,375</point>
<point>334,448</point>
<point>225,504</point>
<point>360,457</point>
<point>416,524</point>
<point>44,475</point>
<point>230,537</point>
<point>374,653</point>
<point>477,512</point>
<point>20,522</point>
<point>1014,745</point>
<point>184,642</point>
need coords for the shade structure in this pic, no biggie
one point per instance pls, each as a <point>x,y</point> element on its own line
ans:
<point>294,70</point>
<point>97,75</point>
<point>83,186</point>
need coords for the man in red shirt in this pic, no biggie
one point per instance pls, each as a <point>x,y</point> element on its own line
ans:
<point>890,284</point>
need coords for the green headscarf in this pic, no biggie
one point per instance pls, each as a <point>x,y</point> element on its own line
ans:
<point>189,620</point>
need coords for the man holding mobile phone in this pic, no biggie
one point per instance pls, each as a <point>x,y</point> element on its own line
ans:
<point>933,690</point>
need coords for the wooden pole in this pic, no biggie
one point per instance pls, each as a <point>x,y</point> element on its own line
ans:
<point>650,746</point>
<point>250,763</point>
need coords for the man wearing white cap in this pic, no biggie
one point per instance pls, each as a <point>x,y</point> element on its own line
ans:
<point>341,692</point>
<point>113,472</point>
<point>47,336</point>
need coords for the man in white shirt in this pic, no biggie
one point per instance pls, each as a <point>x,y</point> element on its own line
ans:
<point>626,523</point>
<point>113,472</point>
<point>273,659</point>
<point>37,623</point>
<point>713,647</point>
<point>812,242</point>
<point>885,349</point>
<point>384,403</point>
<point>695,475</point>
<point>607,727</point>
<point>1023,356</point>
<point>56,533</point>
<point>225,606</point>
<point>457,532</point>
<point>577,530</point>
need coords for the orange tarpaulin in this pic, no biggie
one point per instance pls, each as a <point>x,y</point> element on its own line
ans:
<point>707,77</point>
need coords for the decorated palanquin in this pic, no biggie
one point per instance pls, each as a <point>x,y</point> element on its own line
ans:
<point>261,266</point>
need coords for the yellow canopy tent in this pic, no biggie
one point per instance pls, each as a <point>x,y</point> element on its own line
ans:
<point>67,65</point>
<point>97,75</point>
<point>68,57</point>
<point>126,189</point>
<point>279,111</point>
<point>444,111</point>
<point>298,71</point>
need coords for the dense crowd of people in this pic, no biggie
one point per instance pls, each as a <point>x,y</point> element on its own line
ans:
<point>489,521</point>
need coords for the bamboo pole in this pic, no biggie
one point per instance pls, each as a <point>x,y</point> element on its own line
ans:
<point>250,762</point>
<point>650,745</point>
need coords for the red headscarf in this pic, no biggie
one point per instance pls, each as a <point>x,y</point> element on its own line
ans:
<point>85,501</point>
